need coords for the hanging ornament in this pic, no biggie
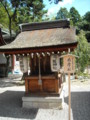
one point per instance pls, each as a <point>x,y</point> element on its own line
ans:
<point>27,54</point>
<point>32,55</point>
<point>48,53</point>
<point>58,52</point>
<point>43,54</point>
<point>52,52</point>
<point>39,81</point>
<point>38,54</point>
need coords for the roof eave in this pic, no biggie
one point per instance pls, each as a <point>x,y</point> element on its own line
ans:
<point>56,48</point>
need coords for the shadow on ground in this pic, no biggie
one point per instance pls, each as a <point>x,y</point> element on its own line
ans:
<point>11,106</point>
<point>80,105</point>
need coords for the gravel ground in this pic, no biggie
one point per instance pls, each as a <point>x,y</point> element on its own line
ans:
<point>11,104</point>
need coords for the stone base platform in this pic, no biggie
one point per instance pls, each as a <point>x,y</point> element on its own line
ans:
<point>42,102</point>
<point>45,102</point>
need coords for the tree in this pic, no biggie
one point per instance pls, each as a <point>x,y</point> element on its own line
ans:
<point>85,25</point>
<point>62,14</point>
<point>16,9</point>
<point>55,1</point>
<point>82,51</point>
<point>32,11</point>
<point>87,16</point>
<point>2,16</point>
<point>10,13</point>
<point>74,16</point>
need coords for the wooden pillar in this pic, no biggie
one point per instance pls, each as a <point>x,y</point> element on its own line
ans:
<point>13,62</point>
<point>69,92</point>
<point>7,67</point>
<point>26,86</point>
<point>56,85</point>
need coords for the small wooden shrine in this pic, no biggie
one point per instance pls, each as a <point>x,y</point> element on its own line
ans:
<point>42,45</point>
<point>2,57</point>
<point>4,39</point>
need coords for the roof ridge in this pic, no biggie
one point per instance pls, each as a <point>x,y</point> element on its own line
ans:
<point>45,25</point>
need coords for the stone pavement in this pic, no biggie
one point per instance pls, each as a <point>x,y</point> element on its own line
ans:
<point>11,104</point>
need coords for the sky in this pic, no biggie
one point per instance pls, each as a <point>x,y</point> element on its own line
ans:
<point>82,6</point>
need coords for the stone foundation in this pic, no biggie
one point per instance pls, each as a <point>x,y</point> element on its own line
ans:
<point>42,102</point>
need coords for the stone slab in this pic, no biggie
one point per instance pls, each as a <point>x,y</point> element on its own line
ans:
<point>43,102</point>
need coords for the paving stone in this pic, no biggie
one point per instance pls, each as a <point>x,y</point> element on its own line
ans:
<point>11,104</point>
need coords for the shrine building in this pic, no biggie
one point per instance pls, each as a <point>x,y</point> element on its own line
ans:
<point>38,49</point>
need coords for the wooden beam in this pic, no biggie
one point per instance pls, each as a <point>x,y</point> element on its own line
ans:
<point>39,50</point>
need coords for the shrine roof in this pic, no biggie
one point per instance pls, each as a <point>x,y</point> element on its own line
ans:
<point>2,42</point>
<point>53,34</point>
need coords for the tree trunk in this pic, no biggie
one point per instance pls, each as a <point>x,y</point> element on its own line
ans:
<point>9,17</point>
<point>10,28</point>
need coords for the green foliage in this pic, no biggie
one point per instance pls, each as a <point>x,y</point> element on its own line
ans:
<point>85,25</point>
<point>82,51</point>
<point>10,8</point>
<point>55,1</point>
<point>15,12</point>
<point>3,17</point>
<point>62,14</point>
<point>84,75</point>
<point>87,17</point>
<point>31,11</point>
<point>74,16</point>
<point>83,35</point>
